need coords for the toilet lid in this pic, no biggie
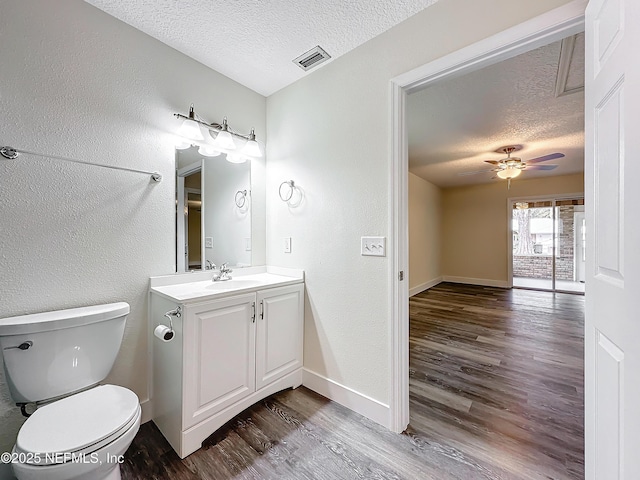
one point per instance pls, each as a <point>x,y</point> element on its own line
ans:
<point>79,421</point>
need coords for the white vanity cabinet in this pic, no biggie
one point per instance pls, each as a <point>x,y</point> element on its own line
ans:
<point>219,355</point>
<point>279,333</point>
<point>230,350</point>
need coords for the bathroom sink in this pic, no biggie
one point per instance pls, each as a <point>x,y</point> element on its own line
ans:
<point>233,284</point>
<point>204,288</point>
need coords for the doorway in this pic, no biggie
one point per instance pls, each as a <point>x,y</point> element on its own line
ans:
<point>189,251</point>
<point>548,238</point>
<point>551,26</point>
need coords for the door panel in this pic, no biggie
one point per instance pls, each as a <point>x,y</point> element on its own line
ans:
<point>609,175</point>
<point>607,29</point>
<point>609,363</point>
<point>279,334</point>
<point>612,320</point>
<point>220,367</point>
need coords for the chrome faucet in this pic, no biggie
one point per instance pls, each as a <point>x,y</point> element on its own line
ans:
<point>224,273</point>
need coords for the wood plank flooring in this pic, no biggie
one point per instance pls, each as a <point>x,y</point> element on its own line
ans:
<point>498,376</point>
<point>496,392</point>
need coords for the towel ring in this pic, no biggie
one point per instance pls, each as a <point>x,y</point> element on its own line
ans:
<point>292,186</point>
<point>241,198</point>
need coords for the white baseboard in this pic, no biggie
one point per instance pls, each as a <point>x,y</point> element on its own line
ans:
<point>424,286</point>
<point>356,401</point>
<point>476,281</point>
<point>147,411</point>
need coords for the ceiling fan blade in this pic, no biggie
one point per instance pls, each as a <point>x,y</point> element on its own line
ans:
<point>541,167</point>
<point>475,173</point>
<point>551,156</point>
<point>492,162</point>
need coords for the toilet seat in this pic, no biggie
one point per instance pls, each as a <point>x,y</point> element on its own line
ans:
<point>77,425</point>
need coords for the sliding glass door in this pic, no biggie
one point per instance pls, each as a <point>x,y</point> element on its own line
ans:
<point>570,241</point>
<point>548,244</point>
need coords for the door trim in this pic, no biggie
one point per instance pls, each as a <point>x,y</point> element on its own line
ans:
<point>181,227</point>
<point>544,29</point>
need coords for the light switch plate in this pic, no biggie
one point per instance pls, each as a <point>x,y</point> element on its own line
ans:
<point>287,244</point>
<point>208,242</point>
<point>247,244</point>
<point>373,246</point>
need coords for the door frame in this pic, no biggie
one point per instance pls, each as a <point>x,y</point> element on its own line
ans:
<point>181,227</point>
<point>539,31</point>
<point>577,245</point>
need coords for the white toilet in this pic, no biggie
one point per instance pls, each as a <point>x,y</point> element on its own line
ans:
<point>80,429</point>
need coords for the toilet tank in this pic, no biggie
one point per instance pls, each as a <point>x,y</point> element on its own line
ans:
<point>61,352</point>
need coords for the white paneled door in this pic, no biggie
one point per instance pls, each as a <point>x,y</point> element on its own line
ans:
<point>612,156</point>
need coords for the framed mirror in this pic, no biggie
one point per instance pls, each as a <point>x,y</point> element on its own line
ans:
<point>214,212</point>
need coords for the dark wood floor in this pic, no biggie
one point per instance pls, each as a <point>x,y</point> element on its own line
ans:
<point>496,392</point>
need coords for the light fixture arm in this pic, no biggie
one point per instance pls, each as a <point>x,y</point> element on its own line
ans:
<point>216,127</point>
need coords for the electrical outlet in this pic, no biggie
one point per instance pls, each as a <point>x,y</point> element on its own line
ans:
<point>208,242</point>
<point>373,246</point>
<point>287,244</point>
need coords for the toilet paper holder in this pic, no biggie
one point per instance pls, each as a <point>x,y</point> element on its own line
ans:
<point>165,333</point>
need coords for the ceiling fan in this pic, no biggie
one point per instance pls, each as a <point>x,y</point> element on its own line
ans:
<point>511,167</point>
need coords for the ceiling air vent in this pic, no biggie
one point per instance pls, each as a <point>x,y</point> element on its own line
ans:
<point>312,58</point>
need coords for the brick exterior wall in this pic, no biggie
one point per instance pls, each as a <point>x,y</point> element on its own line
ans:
<point>540,266</point>
<point>532,266</point>
<point>566,245</point>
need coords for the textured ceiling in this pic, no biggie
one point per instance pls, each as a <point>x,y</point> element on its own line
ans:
<point>254,42</point>
<point>455,125</point>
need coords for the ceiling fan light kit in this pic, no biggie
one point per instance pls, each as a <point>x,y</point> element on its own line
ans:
<point>509,172</point>
<point>511,167</point>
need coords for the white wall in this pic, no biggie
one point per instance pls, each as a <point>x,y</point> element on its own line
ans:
<point>425,212</point>
<point>329,132</point>
<point>79,83</point>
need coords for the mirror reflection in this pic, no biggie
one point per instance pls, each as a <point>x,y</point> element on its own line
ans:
<point>214,212</point>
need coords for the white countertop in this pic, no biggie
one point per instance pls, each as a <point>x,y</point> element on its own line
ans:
<point>184,288</point>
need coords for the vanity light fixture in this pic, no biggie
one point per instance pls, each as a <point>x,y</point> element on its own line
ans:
<point>224,140</point>
<point>252,148</point>
<point>208,150</point>
<point>235,157</point>
<point>191,133</point>
<point>190,128</point>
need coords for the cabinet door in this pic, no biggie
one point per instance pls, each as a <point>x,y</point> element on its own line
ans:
<point>279,333</point>
<point>219,350</point>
